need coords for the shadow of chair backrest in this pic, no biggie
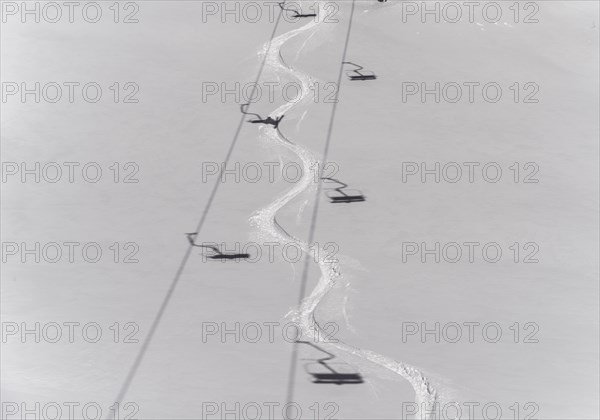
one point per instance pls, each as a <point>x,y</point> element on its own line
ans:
<point>359,73</point>
<point>348,196</point>
<point>323,371</point>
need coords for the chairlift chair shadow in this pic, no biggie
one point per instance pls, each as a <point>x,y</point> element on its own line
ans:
<point>260,120</point>
<point>350,196</point>
<point>346,198</point>
<point>296,14</point>
<point>218,255</point>
<point>325,372</point>
<point>329,373</point>
<point>356,74</point>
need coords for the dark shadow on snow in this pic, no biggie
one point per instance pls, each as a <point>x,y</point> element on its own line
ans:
<point>342,197</point>
<point>330,376</point>
<point>356,73</point>
<point>296,14</point>
<point>260,120</point>
<point>218,255</point>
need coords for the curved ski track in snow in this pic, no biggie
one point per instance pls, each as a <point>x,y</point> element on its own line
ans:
<point>265,220</point>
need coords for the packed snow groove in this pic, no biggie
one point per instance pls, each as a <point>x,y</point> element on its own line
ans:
<point>265,220</point>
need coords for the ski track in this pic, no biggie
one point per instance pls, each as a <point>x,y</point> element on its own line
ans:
<point>265,219</point>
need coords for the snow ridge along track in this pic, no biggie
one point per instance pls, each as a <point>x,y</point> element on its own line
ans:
<point>265,220</point>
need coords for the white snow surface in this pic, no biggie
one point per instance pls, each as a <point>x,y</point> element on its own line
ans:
<point>369,292</point>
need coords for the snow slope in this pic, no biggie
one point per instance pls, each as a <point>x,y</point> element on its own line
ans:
<point>171,132</point>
